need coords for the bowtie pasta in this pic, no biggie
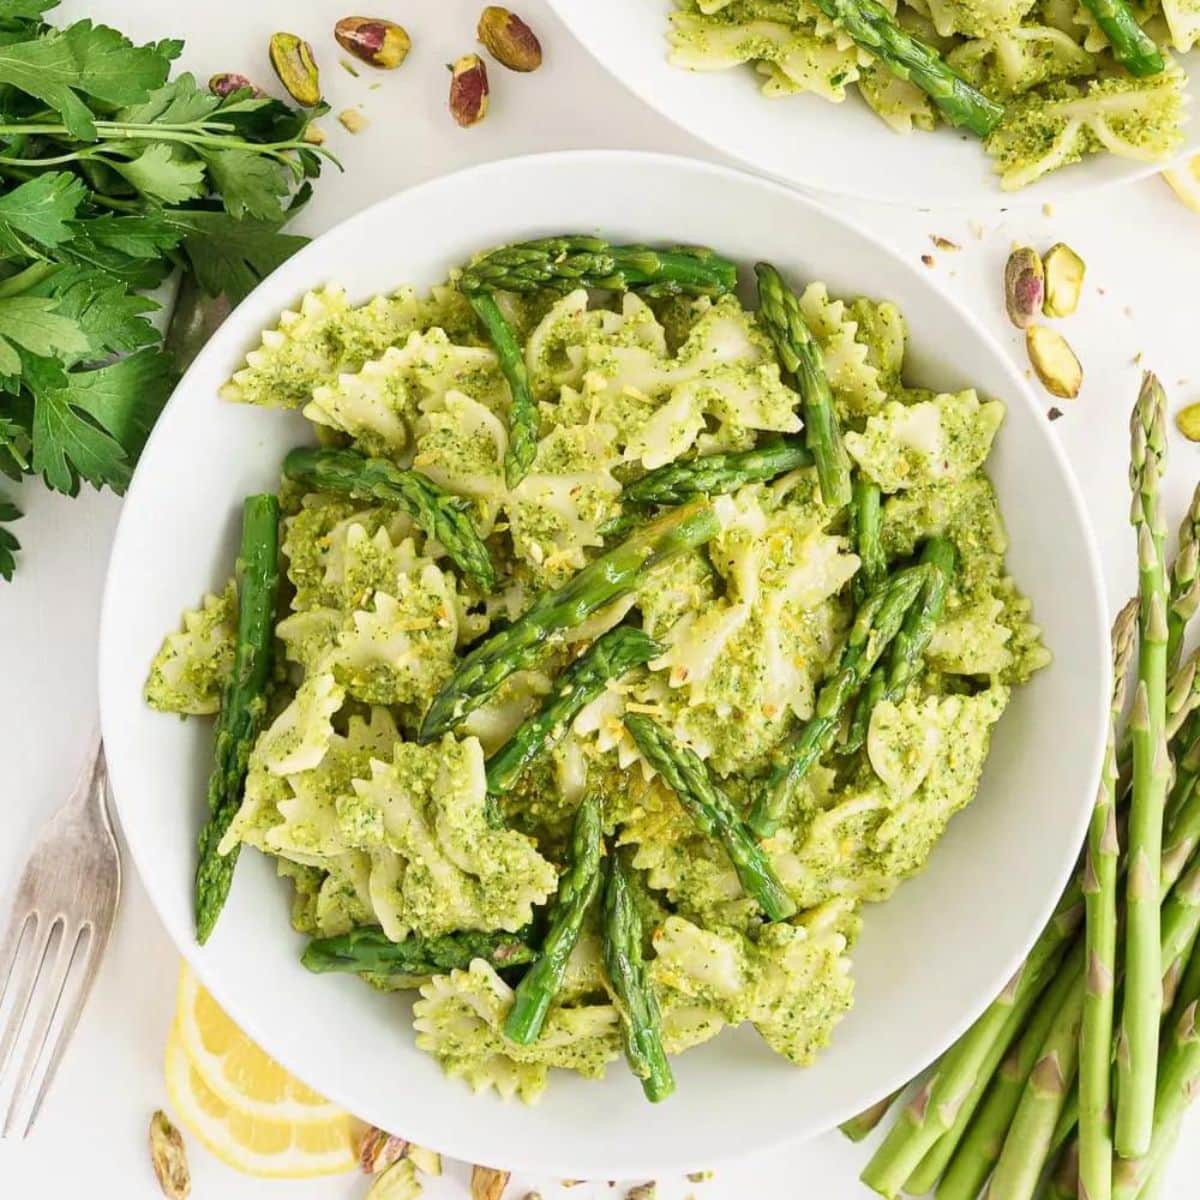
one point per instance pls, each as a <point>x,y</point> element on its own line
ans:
<point>1047,64</point>
<point>409,862</point>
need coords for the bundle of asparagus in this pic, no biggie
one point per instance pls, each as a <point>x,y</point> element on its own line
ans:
<point>1073,1081</point>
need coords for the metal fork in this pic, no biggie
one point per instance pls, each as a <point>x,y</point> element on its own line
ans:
<point>61,918</point>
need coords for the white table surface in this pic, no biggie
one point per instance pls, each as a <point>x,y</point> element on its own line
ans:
<point>1143,253</point>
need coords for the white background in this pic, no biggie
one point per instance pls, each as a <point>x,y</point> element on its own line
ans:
<point>1143,254</point>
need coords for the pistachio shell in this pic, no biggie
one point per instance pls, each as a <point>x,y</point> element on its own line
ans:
<point>168,1156</point>
<point>1054,361</point>
<point>487,1183</point>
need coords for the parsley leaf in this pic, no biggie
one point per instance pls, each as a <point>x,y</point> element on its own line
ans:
<point>250,184</point>
<point>148,235</point>
<point>24,10</point>
<point>109,315</point>
<point>93,424</point>
<point>9,545</point>
<point>87,59</point>
<point>40,212</point>
<point>230,256</point>
<point>175,103</point>
<point>163,171</point>
<point>32,322</point>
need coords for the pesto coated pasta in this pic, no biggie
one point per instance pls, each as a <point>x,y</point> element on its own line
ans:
<point>745,598</point>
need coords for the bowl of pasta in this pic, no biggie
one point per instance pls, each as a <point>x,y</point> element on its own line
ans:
<point>928,103</point>
<point>659,674</point>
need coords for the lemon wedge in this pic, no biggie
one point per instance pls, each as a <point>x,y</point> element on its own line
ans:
<point>242,1106</point>
<point>1185,182</point>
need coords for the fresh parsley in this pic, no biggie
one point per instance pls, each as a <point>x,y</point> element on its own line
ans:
<point>114,176</point>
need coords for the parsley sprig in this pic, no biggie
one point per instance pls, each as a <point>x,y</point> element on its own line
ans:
<point>114,176</point>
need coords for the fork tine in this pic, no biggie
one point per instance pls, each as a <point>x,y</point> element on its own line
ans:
<point>20,984</point>
<point>51,996</point>
<point>97,940</point>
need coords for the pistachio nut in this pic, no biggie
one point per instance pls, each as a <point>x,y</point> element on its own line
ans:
<point>374,40</point>
<point>228,82</point>
<point>398,1182</point>
<point>379,1149</point>
<point>428,1161</point>
<point>353,120</point>
<point>509,40</point>
<point>1054,361</point>
<point>168,1156</point>
<point>469,90</point>
<point>1024,286</point>
<point>292,58</point>
<point>1064,271</point>
<point>487,1183</point>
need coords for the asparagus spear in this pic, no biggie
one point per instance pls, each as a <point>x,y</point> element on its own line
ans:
<point>522,411</point>
<point>561,264</point>
<point>875,30</point>
<point>714,813</point>
<point>865,520</point>
<point>605,579</point>
<point>1184,597</point>
<point>1027,1146</point>
<point>1131,45</point>
<point>577,890</point>
<point>440,514</point>
<point>1137,1055</point>
<point>863,1124</point>
<point>367,950</point>
<point>1100,899</point>
<point>641,1022</point>
<point>243,703</point>
<point>717,474</point>
<point>1183,694</point>
<point>972,1160</point>
<point>939,1104</point>
<point>608,658</point>
<point>800,357</point>
<point>1063,1183</point>
<point>891,678</point>
<point>1178,1086</point>
<point>875,625</point>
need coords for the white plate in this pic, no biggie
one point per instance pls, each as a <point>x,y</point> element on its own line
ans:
<point>844,149</point>
<point>928,961</point>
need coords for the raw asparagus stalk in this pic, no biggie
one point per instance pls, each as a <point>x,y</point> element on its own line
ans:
<point>441,515</point>
<point>1100,899</point>
<point>717,474</point>
<point>522,411</point>
<point>368,950</point>
<point>1137,1053</point>
<point>641,1022</point>
<point>866,513</point>
<point>714,814</point>
<point>1131,45</point>
<point>577,890</point>
<point>1184,597</point>
<point>1063,1183</point>
<point>1178,1086</point>
<point>939,1103</point>
<point>970,1161</point>
<point>562,264</point>
<point>876,623</point>
<point>800,357</point>
<point>1183,694</point>
<point>243,703</point>
<point>863,1124</point>
<point>523,643</point>
<point>891,678</point>
<point>1027,1146</point>
<point>608,658</point>
<point>874,29</point>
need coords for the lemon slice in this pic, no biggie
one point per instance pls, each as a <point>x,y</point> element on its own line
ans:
<point>1185,182</point>
<point>235,1069</point>
<point>243,1106</point>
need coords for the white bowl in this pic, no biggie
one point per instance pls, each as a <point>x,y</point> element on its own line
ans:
<point>928,961</point>
<point>843,149</point>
